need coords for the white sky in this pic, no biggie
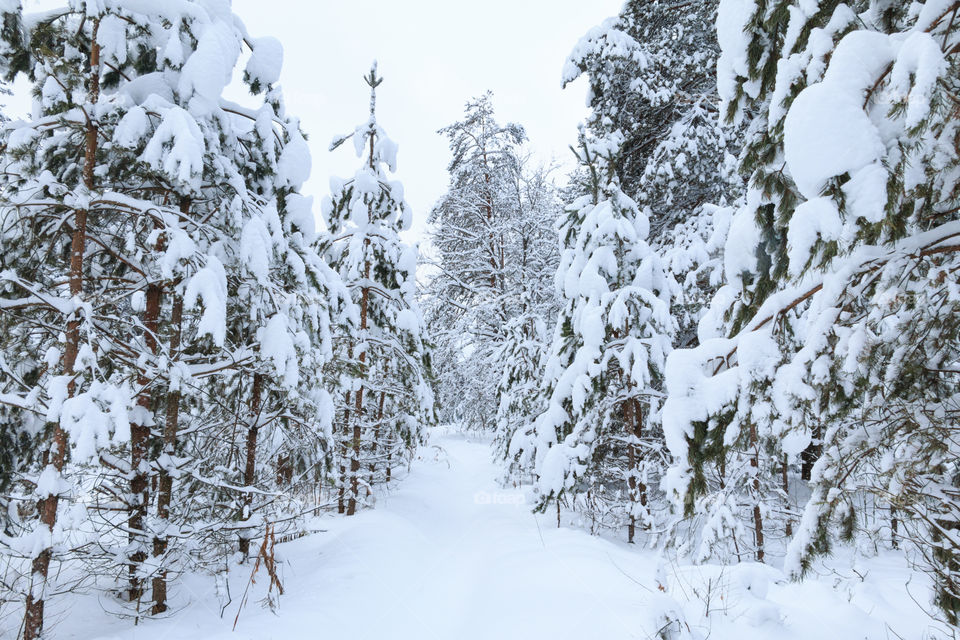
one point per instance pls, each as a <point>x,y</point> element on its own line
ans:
<point>434,55</point>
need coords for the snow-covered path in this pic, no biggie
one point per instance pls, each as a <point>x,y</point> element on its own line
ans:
<point>450,555</point>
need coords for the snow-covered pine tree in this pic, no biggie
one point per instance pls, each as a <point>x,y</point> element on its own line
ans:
<point>533,262</point>
<point>596,439</point>
<point>280,310</point>
<point>652,80</point>
<point>388,394</point>
<point>175,295</point>
<point>465,298</point>
<point>841,320</point>
<point>519,397</point>
<point>51,173</point>
<point>651,72</point>
<point>493,250</point>
<point>18,427</point>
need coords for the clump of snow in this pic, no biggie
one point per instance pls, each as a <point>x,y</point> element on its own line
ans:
<point>919,64</point>
<point>866,193</point>
<point>743,232</point>
<point>256,247</point>
<point>732,19</point>
<point>816,218</point>
<point>827,132</point>
<point>208,71</point>
<point>90,427</point>
<point>386,150</point>
<point>209,284</point>
<point>177,147</point>
<point>112,38</point>
<point>300,214</point>
<point>133,126</point>
<point>295,163</point>
<point>277,346</point>
<point>265,61</point>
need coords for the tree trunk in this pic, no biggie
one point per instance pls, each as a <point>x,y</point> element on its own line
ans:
<point>165,484</point>
<point>139,465</point>
<point>56,456</point>
<point>812,453</point>
<point>358,408</point>
<point>376,437</point>
<point>894,528</point>
<point>357,435</point>
<point>284,470</point>
<point>249,473</point>
<point>757,516</point>
<point>341,490</point>
<point>633,419</point>
<point>786,493</point>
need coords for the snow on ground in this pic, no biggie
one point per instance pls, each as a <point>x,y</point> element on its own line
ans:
<point>449,554</point>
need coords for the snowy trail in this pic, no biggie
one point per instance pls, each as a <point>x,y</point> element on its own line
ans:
<point>436,560</point>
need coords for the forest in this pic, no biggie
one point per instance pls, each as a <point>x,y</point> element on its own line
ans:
<point>701,381</point>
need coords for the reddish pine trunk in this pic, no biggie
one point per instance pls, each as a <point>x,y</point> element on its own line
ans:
<point>170,428</point>
<point>33,615</point>
<point>33,611</point>
<point>358,408</point>
<point>139,465</point>
<point>165,485</point>
<point>250,470</point>
<point>341,490</point>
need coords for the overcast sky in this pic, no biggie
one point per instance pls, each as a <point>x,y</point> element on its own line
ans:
<point>434,55</point>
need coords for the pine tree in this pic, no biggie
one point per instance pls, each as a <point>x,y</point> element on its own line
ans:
<point>193,291</point>
<point>519,396</point>
<point>592,444</point>
<point>388,397</point>
<point>35,286</point>
<point>652,81</point>
<point>839,320</point>
<point>494,246</point>
<point>520,356</point>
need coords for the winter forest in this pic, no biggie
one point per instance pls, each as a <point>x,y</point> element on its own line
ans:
<point>697,378</point>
